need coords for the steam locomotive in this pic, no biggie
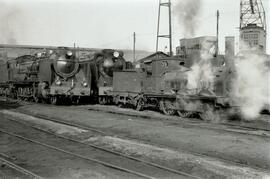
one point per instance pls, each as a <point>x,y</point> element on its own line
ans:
<point>162,84</point>
<point>59,75</point>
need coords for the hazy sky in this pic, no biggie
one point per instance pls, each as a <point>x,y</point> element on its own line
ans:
<point>109,23</point>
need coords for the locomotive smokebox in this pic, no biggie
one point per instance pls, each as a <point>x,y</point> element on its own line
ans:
<point>65,64</point>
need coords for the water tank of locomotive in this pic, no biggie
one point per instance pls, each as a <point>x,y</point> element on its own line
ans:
<point>176,81</point>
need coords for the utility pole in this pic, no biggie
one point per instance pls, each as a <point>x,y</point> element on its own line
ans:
<point>169,36</point>
<point>217,47</point>
<point>134,45</point>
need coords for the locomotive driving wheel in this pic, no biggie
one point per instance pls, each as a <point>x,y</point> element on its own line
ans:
<point>140,105</point>
<point>36,98</point>
<point>184,114</point>
<point>208,113</point>
<point>167,107</point>
<point>54,100</point>
<point>102,100</point>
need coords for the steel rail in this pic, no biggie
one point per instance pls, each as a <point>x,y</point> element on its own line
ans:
<point>20,169</point>
<point>106,164</point>
<point>174,120</point>
<point>196,124</point>
<point>90,128</point>
<point>109,151</point>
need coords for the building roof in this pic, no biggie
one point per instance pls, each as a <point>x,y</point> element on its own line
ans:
<point>156,55</point>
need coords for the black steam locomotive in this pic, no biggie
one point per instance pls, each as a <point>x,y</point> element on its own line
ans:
<point>162,84</point>
<point>59,75</point>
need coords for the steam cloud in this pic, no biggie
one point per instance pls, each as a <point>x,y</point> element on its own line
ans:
<point>8,17</point>
<point>251,88</point>
<point>187,12</point>
<point>250,84</point>
<point>202,72</point>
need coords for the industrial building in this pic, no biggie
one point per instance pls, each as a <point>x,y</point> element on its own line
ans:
<point>252,26</point>
<point>193,47</point>
<point>252,37</point>
<point>196,45</point>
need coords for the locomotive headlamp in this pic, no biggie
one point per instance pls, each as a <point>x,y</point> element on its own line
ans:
<point>58,82</point>
<point>116,54</point>
<point>39,55</point>
<point>84,84</point>
<point>69,53</point>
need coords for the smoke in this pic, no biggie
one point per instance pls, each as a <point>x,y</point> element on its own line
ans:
<point>202,74</point>
<point>8,18</point>
<point>187,12</point>
<point>251,87</point>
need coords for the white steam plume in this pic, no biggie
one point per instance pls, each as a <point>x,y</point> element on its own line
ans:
<point>251,88</point>
<point>187,12</point>
<point>202,74</point>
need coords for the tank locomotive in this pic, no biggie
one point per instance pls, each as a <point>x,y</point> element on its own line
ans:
<point>163,84</point>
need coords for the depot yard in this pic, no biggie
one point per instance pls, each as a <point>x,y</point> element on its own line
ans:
<point>169,147</point>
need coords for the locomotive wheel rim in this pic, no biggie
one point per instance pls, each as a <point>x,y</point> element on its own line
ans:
<point>184,114</point>
<point>102,100</point>
<point>77,101</point>
<point>36,99</point>
<point>207,114</point>
<point>166,109</point>
<point>54,100</point>
<point>139,105</point>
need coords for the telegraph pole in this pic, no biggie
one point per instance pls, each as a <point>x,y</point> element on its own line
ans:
<point>217,47</point>
<point>134,46</point>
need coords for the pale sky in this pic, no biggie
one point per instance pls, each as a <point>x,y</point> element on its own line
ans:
<point>108,23</point>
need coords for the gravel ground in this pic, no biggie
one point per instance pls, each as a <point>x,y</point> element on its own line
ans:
<point>49,163</point>
<point>174,144</point>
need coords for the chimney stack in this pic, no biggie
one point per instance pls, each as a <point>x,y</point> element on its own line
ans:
<point>229,46</point>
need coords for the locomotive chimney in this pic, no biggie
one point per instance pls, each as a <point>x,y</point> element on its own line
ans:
<point>229,46</point>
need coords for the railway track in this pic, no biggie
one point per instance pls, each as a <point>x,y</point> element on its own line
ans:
<point>24,171</point>
<point>228,127</point>
<point>106,164</point>
<point>93,129</point>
